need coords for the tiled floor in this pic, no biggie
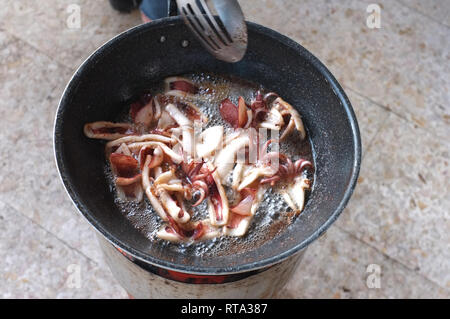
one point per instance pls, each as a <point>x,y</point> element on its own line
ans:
<point>397,77</point>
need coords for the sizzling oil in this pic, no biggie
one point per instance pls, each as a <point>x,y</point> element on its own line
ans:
<point>273,214</point>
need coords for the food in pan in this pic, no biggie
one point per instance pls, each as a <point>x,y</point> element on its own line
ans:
<point>223,155</point>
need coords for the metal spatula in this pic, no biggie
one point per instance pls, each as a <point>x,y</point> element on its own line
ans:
<point>224,36</point>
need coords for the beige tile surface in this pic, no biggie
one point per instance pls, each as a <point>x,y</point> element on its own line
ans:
<point>340,266</point>
<point>404,65</point>
<point>437,10</point>
<point>30,184</point>
<point>33,22</point>
<point>371,118</point>
<point>36,264</point>
<point>32,85</point>
<point>401,204</point>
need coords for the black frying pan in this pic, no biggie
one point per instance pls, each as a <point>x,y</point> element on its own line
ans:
<point>131,62</point>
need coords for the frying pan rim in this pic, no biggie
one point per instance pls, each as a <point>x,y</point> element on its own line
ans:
<point>193,269</point>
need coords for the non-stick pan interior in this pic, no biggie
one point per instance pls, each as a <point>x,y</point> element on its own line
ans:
<point>128,64</point>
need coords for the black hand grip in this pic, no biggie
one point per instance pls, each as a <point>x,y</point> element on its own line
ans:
<point>172,8</point>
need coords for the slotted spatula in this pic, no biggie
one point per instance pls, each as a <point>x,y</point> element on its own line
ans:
<point>224,36</point>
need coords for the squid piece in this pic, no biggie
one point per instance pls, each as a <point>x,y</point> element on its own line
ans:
<point>135,139</point>
<point>166,122</point>
<point>150,189</point>
<point>226,158</point>
<point>207,231</point>
<point>201,230</point>
<point>156,155</point>
<point>108,130</point>
<point>175,157</point>
<point>242,113</point>
<point>294,194</point>
<point>192,112</point>
<point>230,112</point>
<point>180,87</point>
<point>201,188</point>
<point>244,207</point>
<point>273,121</point>
<point>165,177</point>
<point>198,177</point>
<point>209,141</point>
<point>231,135</point>
<point>269,172</point>
<point>128,178</point>
<point>238,116</point>
<point>295,121</point>
<point>217,200</point>
<point>237,175</point>
<point>166,205</point>
<point>269,169</point>
<point>180,84</point>
<point>141,112</point>
<point>173,206</point>
<point>174,187</point>
<point>258,102</point>
<point>256,173</point>
<point>177,97</point>
<point>122,149</point>
<point>239,222</point>
<point>186,128</point>
<point>169,182</point>
<point>178,116</point>
<point>157,107</point>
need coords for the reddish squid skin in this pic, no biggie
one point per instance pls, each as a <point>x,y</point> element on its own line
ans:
<point>244,206</point>
<point>139,104</point>
<point>113,130</point>
<point>236,115</point>
<point>190,112</point>
<point>184,86</point>
<point>143,155</point>
<point>242,112</point>
<point>258,102</point>
<point>229,112</point>
<point>216,201</point>
<point>235,220</point>
<point>176,229</point>
<point>126,166</point>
